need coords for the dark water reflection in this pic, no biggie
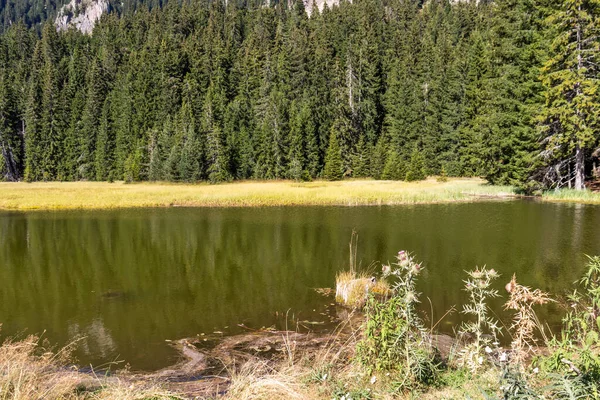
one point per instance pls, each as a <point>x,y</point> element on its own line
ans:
<point>128,280</point>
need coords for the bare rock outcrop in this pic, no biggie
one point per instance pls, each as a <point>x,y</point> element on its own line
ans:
<point>81,14</point>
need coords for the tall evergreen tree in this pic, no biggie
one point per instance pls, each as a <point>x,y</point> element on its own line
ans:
<point>570,77</point>
<point>333,161</point>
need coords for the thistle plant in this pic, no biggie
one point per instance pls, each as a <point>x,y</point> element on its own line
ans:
<point>484,329</point>
<point>395,337</point>
<point>405,271</point>
<point>522,299</point>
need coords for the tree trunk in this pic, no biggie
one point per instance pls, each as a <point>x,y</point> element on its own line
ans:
<point>12,174</point>
<point>579,156</point>
<point>579,168</point>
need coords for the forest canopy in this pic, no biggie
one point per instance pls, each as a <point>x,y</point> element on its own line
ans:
<point>388,89</point>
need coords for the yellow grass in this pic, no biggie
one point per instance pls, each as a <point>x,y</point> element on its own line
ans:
<point>352,288</point>
<point>28,371</point>
<point>98,195</point>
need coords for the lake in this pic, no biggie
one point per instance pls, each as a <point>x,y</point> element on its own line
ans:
<point>127,280</point>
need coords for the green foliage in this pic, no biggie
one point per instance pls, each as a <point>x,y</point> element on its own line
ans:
<point>394,167</point>
<point>582,322</point>
<point>514,385</point>
<point>416,167</point>
<point>394,336</point>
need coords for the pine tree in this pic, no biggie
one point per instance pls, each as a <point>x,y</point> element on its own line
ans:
<point>510,142</point>
<point>105,146</point>
<point>10,137</point>
<point>297,146</point>
<point>570,77</point>
<point>33,128</point>
<point>216,153</point>
<point>394,167</point>
<point>333,161</point>
<point>361,164</point>
<point>191,157</point>
<point>96,89</point>
<point>416,167</point>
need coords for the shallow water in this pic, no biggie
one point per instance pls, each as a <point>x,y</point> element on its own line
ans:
<point>127,280</point>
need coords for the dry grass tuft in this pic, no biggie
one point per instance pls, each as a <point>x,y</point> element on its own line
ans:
<point>132,391</point>
<point>28,372</point>
<point>257,380</point>
<point>352,289</point>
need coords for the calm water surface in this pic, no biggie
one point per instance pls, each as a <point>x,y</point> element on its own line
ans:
<point>128,280</point>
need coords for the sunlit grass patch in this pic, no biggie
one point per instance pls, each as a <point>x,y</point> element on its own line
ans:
<point>103,195</point>
<point>572,196</point>
<point>352,288</point>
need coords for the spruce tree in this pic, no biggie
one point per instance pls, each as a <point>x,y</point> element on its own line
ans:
<point>570,77</point>
<point>10,137</point>
<point>333,170</point>
<point>416,167</point>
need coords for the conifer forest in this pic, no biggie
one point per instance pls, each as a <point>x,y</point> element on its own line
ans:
<point>196,90</point>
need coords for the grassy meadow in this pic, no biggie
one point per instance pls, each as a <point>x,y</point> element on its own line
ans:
<point>103,195</point>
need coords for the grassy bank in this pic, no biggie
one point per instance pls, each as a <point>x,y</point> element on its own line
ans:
<point>572,196</point>
<point>99,195</point>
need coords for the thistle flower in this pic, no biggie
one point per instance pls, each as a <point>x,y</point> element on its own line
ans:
<point>510,286</point>
<point>416,268</point>
<point>403,259</point>
<point>386,270</point>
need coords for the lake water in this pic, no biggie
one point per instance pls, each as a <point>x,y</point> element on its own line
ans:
<point>127,280</point>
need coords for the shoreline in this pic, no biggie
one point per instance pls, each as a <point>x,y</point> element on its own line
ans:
<point>55,196</point>
<point>349,193</point>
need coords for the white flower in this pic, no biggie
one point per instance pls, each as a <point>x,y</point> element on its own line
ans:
<point>373,379</point>
<point>487,349</point>
<point>480,360</point>
<point>536,370</point>
<point>503,357</point>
